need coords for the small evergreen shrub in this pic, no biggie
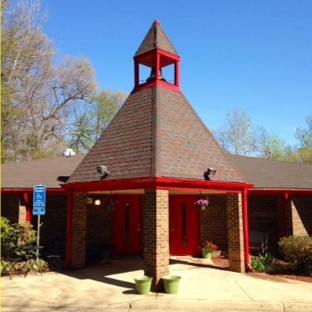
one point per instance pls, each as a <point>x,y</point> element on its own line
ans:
<point>297,251</point>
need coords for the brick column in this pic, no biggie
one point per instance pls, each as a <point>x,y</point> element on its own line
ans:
<point>235,233</point>
<point>79,230</point>
<point>156,234</point>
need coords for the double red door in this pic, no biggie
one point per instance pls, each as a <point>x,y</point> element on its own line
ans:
<point>183,225</point>
<point>127,226</point>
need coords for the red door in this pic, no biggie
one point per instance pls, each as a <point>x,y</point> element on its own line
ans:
<point>183,225</point>
<point>127,226</point>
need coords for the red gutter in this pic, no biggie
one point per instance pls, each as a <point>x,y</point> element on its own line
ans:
<point>30,190</point>
<point>301,192</point>
<point>69,227</point>
<point>157,183</point>
<point>246,229</point>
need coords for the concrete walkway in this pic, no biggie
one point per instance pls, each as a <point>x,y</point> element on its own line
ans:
<point>110,287</point>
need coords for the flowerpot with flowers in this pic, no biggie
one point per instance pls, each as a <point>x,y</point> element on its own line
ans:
<point>207,248</point>
<point>202,203</point>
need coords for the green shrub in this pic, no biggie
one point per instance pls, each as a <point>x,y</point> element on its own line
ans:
<point>297,251</point>
<point>15,236</point>
<point>263,263</point>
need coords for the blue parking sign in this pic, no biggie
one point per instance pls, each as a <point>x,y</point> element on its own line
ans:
<point>39,200</point>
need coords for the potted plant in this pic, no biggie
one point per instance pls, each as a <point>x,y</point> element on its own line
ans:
<point>207,248</point>
<point>202,203</point>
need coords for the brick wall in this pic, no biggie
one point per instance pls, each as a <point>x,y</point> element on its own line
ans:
<point>79,231</point>
<point>235,233</point>
<point>299,216</point>
<point>99,229</point>
<point>54,223</point>
<point>156,234</point>
<point>99,221</point>
<point>213,222</point>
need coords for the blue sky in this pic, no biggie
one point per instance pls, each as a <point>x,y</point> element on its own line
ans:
<point>254,55</point>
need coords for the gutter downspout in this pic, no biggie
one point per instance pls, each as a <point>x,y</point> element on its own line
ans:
<point>69,227</point>
<point>246,230</point>
<point>28,207</point>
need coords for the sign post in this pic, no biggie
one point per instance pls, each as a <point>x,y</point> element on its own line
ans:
<point>39,204</point>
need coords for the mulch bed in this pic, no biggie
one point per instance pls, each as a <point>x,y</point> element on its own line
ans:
<point>284,272</point>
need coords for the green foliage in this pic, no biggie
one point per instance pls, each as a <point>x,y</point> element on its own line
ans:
<point>15,236</point>
<point>297,251</point>
<point>264,263</point>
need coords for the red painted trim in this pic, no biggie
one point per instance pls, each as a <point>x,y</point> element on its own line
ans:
<point>59,191</point>
<point>139,57</point>
<point>157,183</point>
<point>246,228</point>
<point>69,227</point>
<point>28,206</point>
<point>298,192</point>
<point>177,74</point>
<point>166,85</point>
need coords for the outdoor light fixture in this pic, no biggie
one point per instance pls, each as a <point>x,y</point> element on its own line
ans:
<point>103,171</point>
<point>210,172</point>
<point>97,202</point>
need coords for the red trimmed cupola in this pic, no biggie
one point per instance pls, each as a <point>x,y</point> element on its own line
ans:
<point>155,55</point>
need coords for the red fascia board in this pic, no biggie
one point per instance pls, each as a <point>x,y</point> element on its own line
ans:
<point>160,83</point>
<point>30,190</point>
<point>307,192</point>
<point>157,183</point>
<point>148,58</point>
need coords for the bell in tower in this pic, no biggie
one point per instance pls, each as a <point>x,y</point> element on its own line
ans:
<point>152,76</point>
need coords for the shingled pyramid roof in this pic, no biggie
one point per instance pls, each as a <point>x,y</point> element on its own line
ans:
<point>156,133</point>
<point>156,39</point>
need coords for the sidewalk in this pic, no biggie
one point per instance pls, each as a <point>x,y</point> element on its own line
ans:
<point>110,287</point>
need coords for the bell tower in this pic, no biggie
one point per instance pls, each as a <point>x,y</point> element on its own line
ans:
<point>155,54</point>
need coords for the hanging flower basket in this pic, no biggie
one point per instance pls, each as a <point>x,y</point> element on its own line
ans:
<point>202,203</point>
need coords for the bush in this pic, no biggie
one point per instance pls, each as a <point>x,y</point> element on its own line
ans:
<point>297,251</point>
<point>15,236</point>
<point>263,263</point>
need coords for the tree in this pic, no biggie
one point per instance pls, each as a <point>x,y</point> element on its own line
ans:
<point>93,118</point>
<point>271,146</point>
<point>304,135</point>
<point>238,135</point>
<point>38,97</point>
<point>107,103</point>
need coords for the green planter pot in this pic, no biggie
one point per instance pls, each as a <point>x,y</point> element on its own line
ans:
<point>171,283</point>
<point>143,284</point>
<point>206,254</point>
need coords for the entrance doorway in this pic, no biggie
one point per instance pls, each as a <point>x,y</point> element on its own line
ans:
<point>127,226</point>
<point>183,225</point>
